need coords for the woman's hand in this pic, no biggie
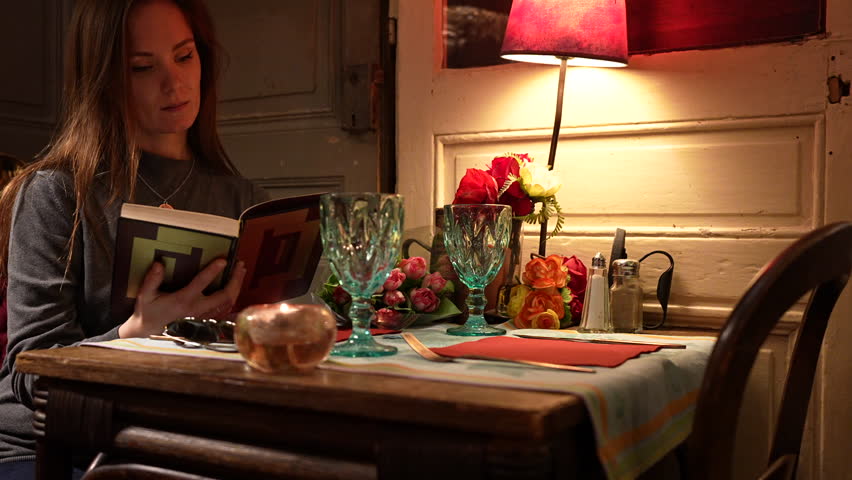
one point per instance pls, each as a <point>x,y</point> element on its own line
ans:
<point>155,309</point>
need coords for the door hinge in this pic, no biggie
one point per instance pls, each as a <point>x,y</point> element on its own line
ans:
<point>391,31</point>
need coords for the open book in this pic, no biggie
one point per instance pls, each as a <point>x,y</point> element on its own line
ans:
<point>279,241</point>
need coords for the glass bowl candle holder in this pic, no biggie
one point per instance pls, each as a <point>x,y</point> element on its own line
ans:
<point>283,337</point>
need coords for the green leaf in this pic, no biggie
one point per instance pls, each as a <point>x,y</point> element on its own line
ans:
<point>449,288</point>
<point>445,310</point>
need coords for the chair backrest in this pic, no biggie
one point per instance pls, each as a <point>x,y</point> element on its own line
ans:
<point>132,471</point>
<point>820,262</point>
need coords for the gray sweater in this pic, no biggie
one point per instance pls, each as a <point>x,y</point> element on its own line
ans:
<point>49,308</point>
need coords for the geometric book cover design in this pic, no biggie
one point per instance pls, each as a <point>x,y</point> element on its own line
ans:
<point>182,252</point>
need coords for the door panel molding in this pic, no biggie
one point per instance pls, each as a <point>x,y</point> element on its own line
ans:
<point>275,74</point>
<point>737,178</point>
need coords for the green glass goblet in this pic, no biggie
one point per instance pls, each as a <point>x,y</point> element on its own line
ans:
<point>476,237</point>
<point>361,235</point>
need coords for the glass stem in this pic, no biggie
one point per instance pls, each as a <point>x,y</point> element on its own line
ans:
<point>361,315</point>
<point>476,306</point>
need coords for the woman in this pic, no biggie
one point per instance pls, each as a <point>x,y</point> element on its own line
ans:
<point>9,167</point>
<point>139,124</point>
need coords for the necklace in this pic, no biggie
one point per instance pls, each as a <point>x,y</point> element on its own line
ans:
<point>165,199</point>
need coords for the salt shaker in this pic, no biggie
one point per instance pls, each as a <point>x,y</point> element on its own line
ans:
<point>596,308</point>
<point>626,297</point>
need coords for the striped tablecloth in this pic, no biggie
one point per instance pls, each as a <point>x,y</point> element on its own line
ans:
<point>640,410</point>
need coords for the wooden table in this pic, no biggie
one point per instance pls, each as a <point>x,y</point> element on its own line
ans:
<point>221,419</point>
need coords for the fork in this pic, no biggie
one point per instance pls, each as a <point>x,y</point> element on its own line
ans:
<point>428,354</point>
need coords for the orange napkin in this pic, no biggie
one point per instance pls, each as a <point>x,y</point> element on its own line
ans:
<point>344,334</point>
<point>553,351</point>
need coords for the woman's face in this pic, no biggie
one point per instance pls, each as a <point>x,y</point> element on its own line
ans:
<point>164,72</point>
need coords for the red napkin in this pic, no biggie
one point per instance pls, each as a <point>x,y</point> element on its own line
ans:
<point>552,351</point>
<point>344,334</point>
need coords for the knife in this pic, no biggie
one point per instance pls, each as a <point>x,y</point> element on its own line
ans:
<point>600,340</point>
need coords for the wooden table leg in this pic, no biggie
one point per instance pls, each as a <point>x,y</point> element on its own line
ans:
<point>53,462</point>
<point>65,419</point>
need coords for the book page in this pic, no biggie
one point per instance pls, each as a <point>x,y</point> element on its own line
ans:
<point>203,222</point>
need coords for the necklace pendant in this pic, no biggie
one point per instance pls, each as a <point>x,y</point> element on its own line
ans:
<point>167,206</point>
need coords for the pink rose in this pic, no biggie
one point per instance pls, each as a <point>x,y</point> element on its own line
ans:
<point>577,276</point>
<point>387,318</point>
<point>434,281</point>
<point>393,298</point>
<point>413,268</point>
<point>340,296</point>
<point>424,300</point>
<point>477,186</point>
<point>394,280</point>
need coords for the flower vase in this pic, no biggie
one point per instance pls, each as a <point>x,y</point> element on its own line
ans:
<point>499,291</point>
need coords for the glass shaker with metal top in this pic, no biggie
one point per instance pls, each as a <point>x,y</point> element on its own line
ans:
<point>626,297</point>
<point>596,316</point>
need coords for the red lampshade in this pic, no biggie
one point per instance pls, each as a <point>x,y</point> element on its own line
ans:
<point>586,32</point>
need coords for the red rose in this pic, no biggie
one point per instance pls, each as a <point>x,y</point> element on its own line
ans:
<point>577,272</point>
<point>340,296</point>
<point>501,169</point>
<point>576,309</point>
<point>477,186</point>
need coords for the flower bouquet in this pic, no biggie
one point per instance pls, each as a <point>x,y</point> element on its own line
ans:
<point>515,180</point>
<point>551,295</point>
<point>410,296</point>
<point>518,181</point>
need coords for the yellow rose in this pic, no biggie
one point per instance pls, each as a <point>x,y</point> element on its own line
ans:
<point>516,299</point>
<point>547,319</point>
<point>539,302</point>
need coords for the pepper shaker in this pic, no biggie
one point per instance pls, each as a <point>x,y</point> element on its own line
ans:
<point>596,308</point>
<point>626,297</point>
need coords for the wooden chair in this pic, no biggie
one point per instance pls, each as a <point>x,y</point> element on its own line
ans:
<point>820,262</point>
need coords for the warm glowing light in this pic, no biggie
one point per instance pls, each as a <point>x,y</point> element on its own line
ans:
<point>572,61</point>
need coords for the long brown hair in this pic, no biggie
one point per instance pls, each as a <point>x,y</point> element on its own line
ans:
<point>94,133</point>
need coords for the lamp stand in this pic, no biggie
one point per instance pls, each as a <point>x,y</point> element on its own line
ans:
<point>557,122</point>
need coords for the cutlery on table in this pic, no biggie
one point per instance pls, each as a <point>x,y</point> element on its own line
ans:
<point>602,340</point>
<point>428,354</point>
<point>215,346</point>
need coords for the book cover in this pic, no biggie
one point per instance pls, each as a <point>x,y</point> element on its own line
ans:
<point>279,241</point>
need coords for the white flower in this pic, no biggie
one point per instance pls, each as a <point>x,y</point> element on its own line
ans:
<point>538,181</point>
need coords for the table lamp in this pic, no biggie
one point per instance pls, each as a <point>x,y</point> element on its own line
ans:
<point>588,33</point>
